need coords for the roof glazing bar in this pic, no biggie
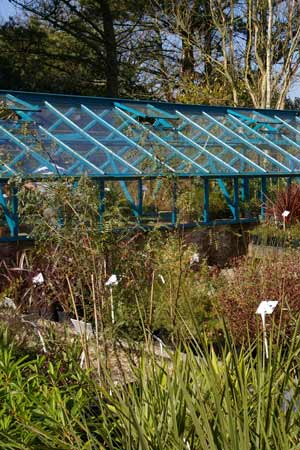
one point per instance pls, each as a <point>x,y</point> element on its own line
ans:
<point>91,138</point>
<point>72,152</point>
<point>9,169</point>
<point>94,149</point>
<point>126,138</point>
<point>223,144</point>
<point>290,141</point>
<point>210,155</point>
<point>60,121</point>
<point>266,140</point>
<point>288,125</point>
<point>163,142</point>
<point>248,143</point>
<point>27,149</point>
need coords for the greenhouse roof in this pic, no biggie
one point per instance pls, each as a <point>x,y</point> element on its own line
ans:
<point>44,135</point>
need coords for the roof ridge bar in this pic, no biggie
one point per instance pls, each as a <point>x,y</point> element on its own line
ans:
<point>223,144</point>
<point>126,138</point>
<point>33,108</point>
<point>90,138</point>
<point>72,152</point>
<point>277,147</point>
<point>203,150</point>
<point>161,111</point>
<point>248,143</point>
<point>35,155</point>
<point>162,141</point>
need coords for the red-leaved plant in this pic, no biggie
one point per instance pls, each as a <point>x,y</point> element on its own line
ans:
<point>286,200</point>
<point>251,281</point>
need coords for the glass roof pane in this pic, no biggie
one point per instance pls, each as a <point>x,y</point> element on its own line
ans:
<point>71,135</point>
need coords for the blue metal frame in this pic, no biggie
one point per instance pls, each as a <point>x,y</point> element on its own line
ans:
<point>126,140</point>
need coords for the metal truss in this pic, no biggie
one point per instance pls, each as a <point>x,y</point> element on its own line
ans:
<point>53,136</point>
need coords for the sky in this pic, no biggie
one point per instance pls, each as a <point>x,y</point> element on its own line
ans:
<point>7,9</point>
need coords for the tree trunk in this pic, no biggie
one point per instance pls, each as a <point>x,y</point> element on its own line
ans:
<point>110,46</point>
<point>188,61</point>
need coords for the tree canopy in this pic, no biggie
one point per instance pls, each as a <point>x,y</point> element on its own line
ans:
<point>206,51</point>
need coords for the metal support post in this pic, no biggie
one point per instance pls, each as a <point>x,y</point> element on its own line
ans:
<point>263,194</point>
<point>15,212</point>
<point>174,203</point>
<point>245,191</point>
<point>9,214</point>
<point>236,198</point>
<point>140,198</point>
<point>206,201</point>
<point>101,202</point>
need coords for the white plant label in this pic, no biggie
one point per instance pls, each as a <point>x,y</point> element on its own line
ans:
<point>195,258</point>
<point>8,303</point>
<point>38,279</point>
<point>112,281</point>
<point>82,327</point>
<point>285,213</point>
<point>161,278</point>
<point>266,307</point>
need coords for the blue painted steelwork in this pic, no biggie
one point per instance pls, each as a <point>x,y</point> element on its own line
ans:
<point>122,140</point>
<point>248,142</point>
<point>91,138</point>
<point>95,170</point>
<point>10,214</point>
<point>206,217</point>
<point>263,196</point>
<point>126,138</point>
<point>174,151</point>
<point>223,144</point>
<point>291,158</point>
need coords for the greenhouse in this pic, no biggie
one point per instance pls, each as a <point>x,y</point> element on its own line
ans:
<point>48,136</point>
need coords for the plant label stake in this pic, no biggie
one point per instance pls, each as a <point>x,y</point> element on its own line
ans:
<point>112,281</point>
<point>266,307</point>
<point>285,214</point>
<point>83,328</point>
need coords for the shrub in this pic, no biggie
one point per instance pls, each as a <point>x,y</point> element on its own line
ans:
<point>287,199</point>
<point>250,281</point>
<point>188,401</point>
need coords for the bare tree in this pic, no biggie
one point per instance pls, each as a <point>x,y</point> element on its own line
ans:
<point>260,47</point>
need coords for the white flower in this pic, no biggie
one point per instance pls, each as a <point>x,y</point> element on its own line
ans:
<point>112,281</point>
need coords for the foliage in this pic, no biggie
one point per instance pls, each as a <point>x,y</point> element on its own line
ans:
<point>232,402</point>
<point>77,249</point>
<point>271,234</point>
<point>287,199</point>
<point>177,49</point>
<point>252,280</point>
<point>44,61</point>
